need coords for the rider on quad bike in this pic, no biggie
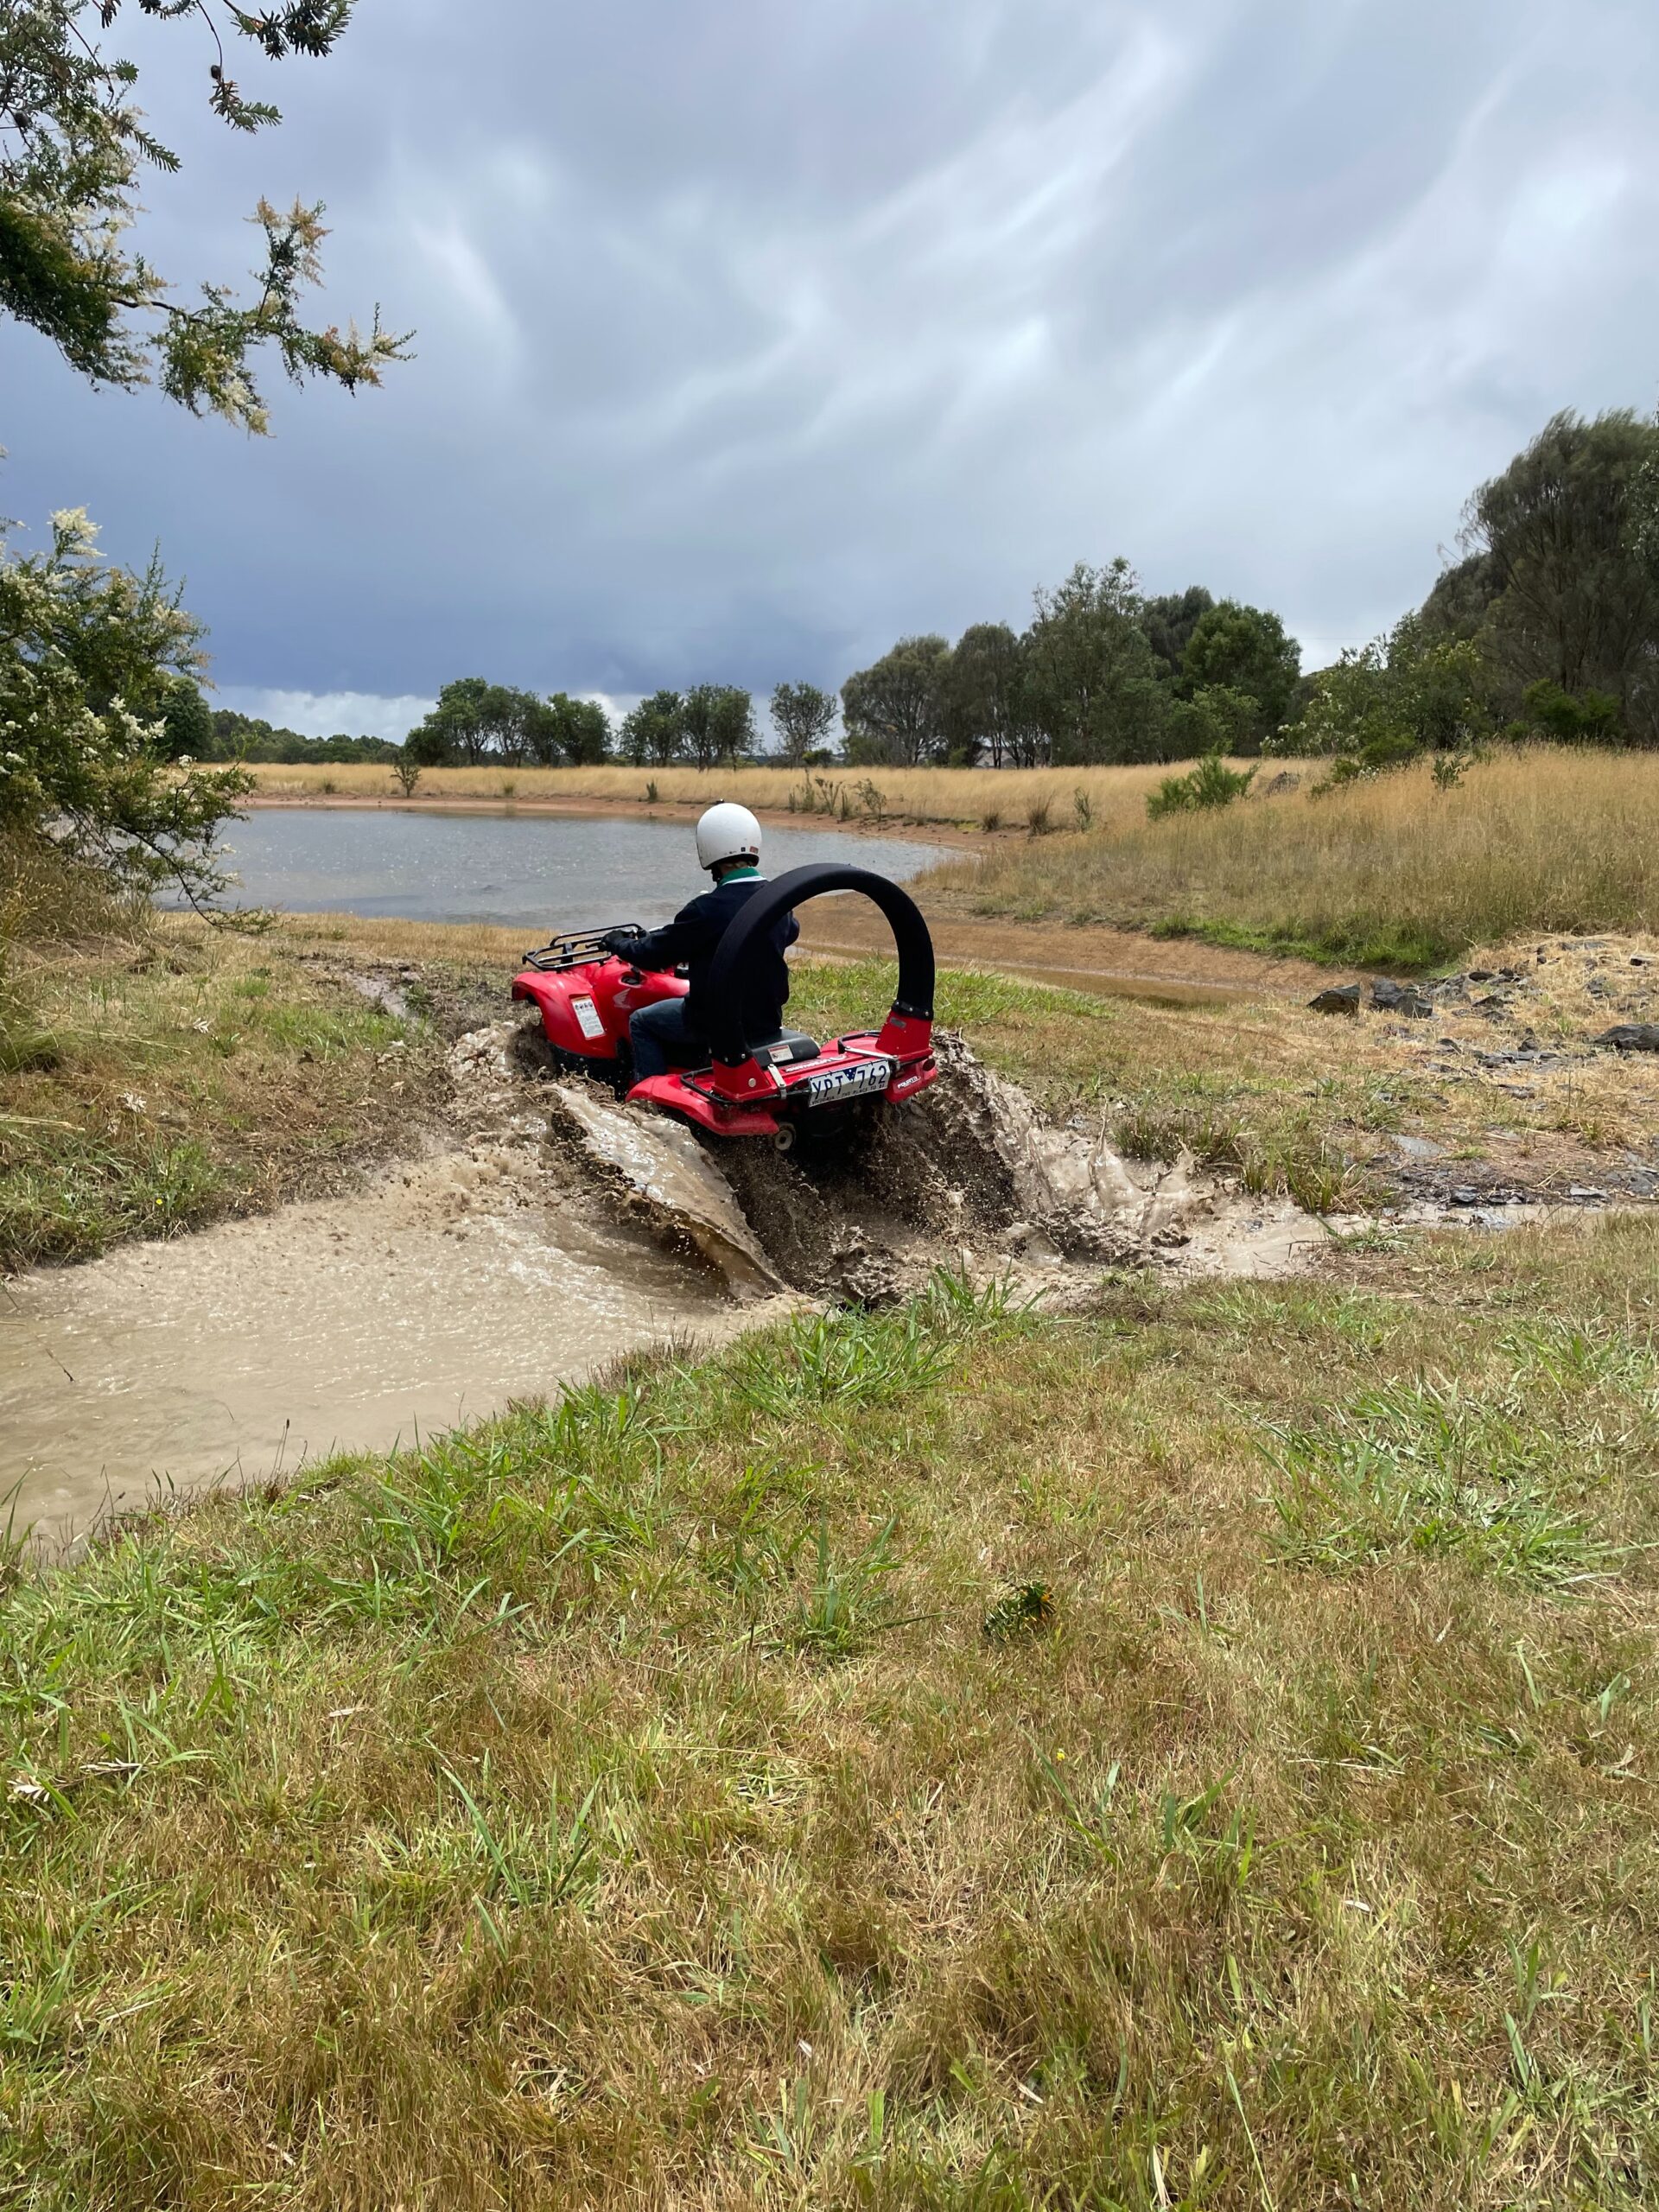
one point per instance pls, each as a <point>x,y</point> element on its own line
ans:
<point>674,1032</point>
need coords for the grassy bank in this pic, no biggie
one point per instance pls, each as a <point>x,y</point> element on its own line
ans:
<point>684,1796</point>
<point>966,797</point>
<point>1393,873</point>
<point>1289,1102</point>
<point>156,1074</point>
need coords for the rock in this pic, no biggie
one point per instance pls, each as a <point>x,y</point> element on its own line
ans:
<point>1630,1037</point>
<point>1419,1149</point>
<point>1466,1195</point>
<point>1587,1193</point>
<point>1400,998</point>
<point>1341,998</point>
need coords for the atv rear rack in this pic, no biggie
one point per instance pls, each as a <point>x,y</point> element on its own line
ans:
<point>577,949</point>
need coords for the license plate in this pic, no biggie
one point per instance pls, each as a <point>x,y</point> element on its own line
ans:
<point>588,1019</point>
<point>830,1088</point>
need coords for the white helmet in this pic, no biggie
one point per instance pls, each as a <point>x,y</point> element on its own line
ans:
<point>728,833</point>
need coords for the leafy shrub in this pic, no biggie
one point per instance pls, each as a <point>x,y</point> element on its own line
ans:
<point>1398,697</point>
<point>91,656</point>
<point>1216,718</point>
<point>1211,784</point>
<point>1590,719</point>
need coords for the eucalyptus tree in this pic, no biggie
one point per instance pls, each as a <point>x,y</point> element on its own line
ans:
<point>74,155</point>
<point>803,717</point>
<point>896,711</point>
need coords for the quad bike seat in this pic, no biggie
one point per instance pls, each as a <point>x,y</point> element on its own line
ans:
<point>784,1050</point>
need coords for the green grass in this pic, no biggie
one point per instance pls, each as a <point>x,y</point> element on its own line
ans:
<point>622,1801</point>
<point>1250,1098</point>
<point>154,1079</point>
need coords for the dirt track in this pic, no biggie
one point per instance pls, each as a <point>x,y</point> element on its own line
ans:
<point>1114,963</point>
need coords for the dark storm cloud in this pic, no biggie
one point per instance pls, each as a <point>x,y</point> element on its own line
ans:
<point>752,335</point>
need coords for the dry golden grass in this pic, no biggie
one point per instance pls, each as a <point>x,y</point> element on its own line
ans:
<point>963,797</point>
<point>629,1806</point>
<point>1391,871</point>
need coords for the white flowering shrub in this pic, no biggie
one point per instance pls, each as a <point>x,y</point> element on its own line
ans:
<point>87,654</point>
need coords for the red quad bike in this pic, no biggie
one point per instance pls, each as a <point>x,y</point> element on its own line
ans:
<point>754,1086</point>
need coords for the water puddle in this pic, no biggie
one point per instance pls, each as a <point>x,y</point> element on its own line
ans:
<point>238,1354</point>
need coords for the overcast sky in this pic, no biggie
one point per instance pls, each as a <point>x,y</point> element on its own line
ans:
<point>754,333</point>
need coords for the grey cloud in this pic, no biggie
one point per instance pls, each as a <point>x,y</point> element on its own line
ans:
<point>750,337</point>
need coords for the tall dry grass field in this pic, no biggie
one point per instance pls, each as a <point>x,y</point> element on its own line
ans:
<point>1390,871</point>
<point>1113,799</point>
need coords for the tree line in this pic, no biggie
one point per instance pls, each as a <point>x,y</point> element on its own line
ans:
<point>1102,674</point>
<point>1546,627</point>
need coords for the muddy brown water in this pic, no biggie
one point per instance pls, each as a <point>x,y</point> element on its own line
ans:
<point>244,1352</point>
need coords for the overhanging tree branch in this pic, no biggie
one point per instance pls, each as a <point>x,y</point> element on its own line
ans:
<point>71,144</point>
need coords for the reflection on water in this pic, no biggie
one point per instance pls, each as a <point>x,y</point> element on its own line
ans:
<point>563,872</point>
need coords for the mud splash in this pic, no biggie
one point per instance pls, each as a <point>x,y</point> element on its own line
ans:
<point>969,1174</point>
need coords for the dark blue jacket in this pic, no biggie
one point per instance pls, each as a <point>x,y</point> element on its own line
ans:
<point>689,939</point>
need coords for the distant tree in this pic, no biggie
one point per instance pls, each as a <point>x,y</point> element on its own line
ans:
<point>1168,622</point>
<point>578,729</point>
<point>803,717</point>
<point>187,722</point>
<point>1405,694</point>
<point>653,733</point>
<point>1244,649</point>
<point>1091,676</point>
<point>985,694</point>
<point>475,722</point>
<point>453,731</point>
<point>717,721</point>
<point>895,710</point>
<point>89,658</point>
<point>1576,599</point>
<point>72,145</point>
<point>245,737</point>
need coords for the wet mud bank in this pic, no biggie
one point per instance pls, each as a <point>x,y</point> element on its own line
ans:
<point>546,1229</point>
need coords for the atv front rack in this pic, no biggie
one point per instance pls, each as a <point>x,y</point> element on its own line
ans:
<point>577,949</point>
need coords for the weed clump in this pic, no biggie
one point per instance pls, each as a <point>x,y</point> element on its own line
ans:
<point>1211,784</point>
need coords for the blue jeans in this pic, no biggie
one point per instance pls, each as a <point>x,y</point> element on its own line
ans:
<point>662,1039</point>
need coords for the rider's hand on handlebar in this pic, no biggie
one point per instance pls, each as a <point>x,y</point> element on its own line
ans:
<point>620,942</point>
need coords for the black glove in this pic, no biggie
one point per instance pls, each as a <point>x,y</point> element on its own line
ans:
<point>620,942</point>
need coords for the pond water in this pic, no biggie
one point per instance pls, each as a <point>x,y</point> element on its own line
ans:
<point>553,871</point>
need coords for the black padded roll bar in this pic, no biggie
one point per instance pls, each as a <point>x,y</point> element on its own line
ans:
<point>723,999</point>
